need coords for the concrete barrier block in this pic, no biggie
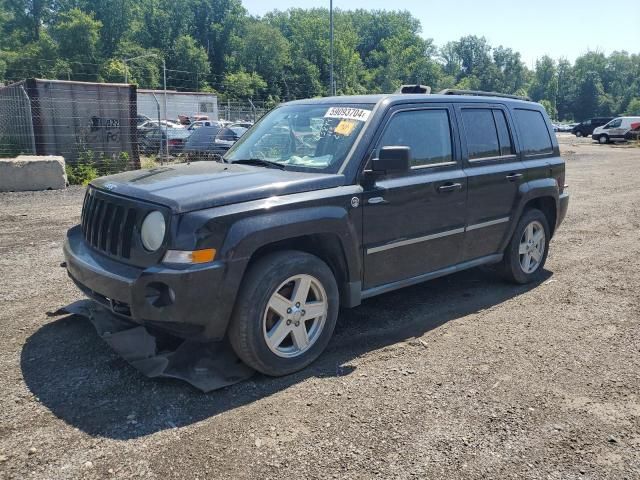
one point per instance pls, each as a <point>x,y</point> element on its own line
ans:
<point>31,172</point>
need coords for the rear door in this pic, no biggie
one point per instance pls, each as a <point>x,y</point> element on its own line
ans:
<point>414,222</point>
<point>494,173</point>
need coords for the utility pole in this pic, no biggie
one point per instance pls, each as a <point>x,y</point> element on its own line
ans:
<point>331,82</point>
<point>166,128</point>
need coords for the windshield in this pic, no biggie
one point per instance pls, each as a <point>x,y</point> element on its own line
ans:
<point>316,137</point>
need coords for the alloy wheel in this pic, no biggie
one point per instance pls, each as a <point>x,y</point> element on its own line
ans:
<point>532,244</point>
<point>295,316</point>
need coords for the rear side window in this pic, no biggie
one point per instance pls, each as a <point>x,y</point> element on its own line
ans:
<point>481,133</point>
<point>426,132</point>
<point>533,132</point>
<point>506,147</point>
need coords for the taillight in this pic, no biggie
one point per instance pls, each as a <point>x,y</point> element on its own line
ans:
<point>175,141</point>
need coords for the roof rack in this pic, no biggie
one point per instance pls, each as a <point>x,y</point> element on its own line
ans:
<point>414,89</point>
<point>480,93</point>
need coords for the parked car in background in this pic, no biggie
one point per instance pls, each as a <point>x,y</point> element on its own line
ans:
<point>152,124</point>
<point>152,142</point>
<point>201,143</point>
<point>212,142</point>
<point>634,133</point>
<point>615,130</point>
<point>246,125</point>
<point>204,123</point>
<point>140,119</point>
<point>564,127</point>
<point>190,119</point>
<point>584,129</point>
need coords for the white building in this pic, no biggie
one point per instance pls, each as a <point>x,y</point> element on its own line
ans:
<point>178,103</point>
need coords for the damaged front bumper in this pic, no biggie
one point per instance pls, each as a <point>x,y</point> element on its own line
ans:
<point>205,365</point>
<point>194,302</point>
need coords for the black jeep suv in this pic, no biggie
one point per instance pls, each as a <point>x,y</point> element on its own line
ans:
<point>321,204</point>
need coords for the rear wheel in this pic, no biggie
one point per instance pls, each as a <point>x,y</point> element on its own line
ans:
<point>285,313</point>
<point>527,251</point>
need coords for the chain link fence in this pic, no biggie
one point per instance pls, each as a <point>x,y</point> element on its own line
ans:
<point>102,129</point>
<point>245,111</point>
<point>16,122</point>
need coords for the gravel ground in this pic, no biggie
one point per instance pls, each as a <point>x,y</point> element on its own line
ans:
<point>462,377</point>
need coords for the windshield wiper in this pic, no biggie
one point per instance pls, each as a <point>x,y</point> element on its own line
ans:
<point>261,162</point>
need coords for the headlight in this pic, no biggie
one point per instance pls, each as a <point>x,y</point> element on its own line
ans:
<point>153,230</point>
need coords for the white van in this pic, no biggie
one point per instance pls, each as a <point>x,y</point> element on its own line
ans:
<point>614,130</point>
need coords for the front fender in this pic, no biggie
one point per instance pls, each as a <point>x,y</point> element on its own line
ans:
<point>249,234</point>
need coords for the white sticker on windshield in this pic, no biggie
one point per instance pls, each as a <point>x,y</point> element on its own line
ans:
<point>348,113</point>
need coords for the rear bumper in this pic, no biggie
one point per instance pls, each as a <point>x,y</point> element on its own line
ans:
<point>193,302</point>
<point>563,206</point>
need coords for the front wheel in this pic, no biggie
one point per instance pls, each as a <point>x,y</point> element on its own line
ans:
<point>527,251</point>
<point>578,134</point>
<point>603,139</point>
<point>285,312</point>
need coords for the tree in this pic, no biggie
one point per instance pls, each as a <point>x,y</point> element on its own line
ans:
<point>566,90</point>
<point>189,63</point>
<point>545,81</point>
<point>29,17</point>
<point>243,85</point>
<point>266,52</point>
<point>144,70</point>
<point>36,59</point>
<point>550,108</point>
<point>634,107</point>
<point>117,18</point>
<point>512,73</point>
<point>77,34</point>
<point>473,53</point>
<point>587,99</point>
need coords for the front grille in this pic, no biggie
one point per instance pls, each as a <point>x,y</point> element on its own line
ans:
<point>108,225</point>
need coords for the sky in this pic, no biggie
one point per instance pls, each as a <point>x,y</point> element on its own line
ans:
<point>559,28</point>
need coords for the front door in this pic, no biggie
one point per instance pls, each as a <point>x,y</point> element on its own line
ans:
<point>414,222</point>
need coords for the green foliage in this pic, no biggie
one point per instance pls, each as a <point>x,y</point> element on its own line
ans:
<point>634,107</point>
<point>550,108</point>
<point>243,85</point>
<point>92,165</point>
<point>10,146</point>
<point>80,174</point>
<point>189,59</point>
<point>214,45</point>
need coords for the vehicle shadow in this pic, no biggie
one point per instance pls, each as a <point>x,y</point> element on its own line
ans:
<point>81,380</point>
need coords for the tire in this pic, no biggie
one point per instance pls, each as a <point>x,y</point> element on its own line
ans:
<point>514,265</point>
<point>579,134</point>
<point>603,139</point>
<point>255,318</point>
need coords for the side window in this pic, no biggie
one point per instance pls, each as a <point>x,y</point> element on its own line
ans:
<point>506,147</point>
<point>481,133</point>
<point>533,132</point>
<point>615,123</point>
<point>426,132</point>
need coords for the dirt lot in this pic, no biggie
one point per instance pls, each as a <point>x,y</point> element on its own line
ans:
<point>463,377</point>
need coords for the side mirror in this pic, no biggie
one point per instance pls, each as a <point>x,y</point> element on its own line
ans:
<point>393,159</point>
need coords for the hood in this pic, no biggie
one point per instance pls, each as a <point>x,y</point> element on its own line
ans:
<point>199,185</point>
<point>597,130</point>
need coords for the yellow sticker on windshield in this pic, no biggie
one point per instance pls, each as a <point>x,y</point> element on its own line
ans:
<point>345,127</point>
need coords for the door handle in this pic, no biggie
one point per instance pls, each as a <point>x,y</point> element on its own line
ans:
<point>449,187</point>
<point>513,176</point>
